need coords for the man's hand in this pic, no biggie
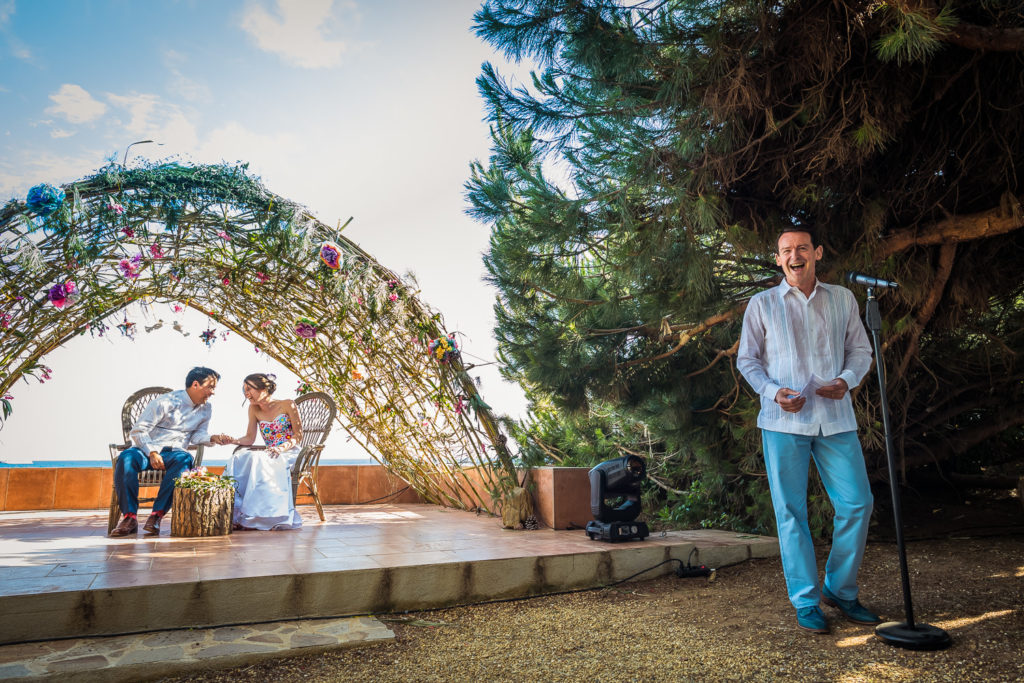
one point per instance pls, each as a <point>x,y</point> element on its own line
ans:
<point>156,461</point>
<point>790,400</point>
<point>835,389</point>
<point>221,439</point>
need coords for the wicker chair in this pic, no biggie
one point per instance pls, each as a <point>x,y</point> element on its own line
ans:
<point>133,407</point>
<point>316,411</point>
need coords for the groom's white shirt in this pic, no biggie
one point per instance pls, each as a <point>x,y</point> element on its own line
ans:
<point>172,419</point>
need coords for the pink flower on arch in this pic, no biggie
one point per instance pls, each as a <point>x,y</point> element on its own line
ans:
<point>62,294</point>
<point>155,251</point>
<point>262,277</point>
<point>130,267</point>
<point>393,297</point>
<point>224,236</point>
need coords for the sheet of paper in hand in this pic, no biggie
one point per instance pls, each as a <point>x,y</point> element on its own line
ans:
<point>813,384</point>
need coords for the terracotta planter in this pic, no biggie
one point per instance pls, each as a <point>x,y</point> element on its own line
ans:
<point>562,496</point>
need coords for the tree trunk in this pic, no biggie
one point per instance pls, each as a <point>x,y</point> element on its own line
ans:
<point>202,513</point>
<point>517,505</point>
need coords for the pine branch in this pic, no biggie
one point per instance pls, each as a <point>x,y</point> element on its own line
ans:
<point>690,333</point>
<point>987,38</point>
<point>961,228</point>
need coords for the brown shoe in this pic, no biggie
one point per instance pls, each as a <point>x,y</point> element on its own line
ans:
<point>127,527</point>
<point>152,525</point>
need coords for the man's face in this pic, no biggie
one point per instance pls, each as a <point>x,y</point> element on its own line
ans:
<point>200,392</point>
<point>797,257</point>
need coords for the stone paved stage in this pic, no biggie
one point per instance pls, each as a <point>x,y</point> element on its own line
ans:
<point>60,576</point>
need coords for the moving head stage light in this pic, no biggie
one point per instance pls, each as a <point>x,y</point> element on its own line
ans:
<point>620,477</point>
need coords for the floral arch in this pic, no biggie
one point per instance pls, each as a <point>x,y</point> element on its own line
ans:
<point>214,239</point>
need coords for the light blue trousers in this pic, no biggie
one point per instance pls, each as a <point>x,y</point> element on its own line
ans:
<point>840,464</point>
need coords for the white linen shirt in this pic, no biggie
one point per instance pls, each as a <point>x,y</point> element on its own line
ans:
<point>786,338</point>
<point>172,419</point>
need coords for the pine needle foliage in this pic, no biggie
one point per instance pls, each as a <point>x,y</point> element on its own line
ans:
<point>214,239</point>
<point>637,186</point>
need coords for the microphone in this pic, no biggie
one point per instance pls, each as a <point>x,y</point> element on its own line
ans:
<point>868,281</point>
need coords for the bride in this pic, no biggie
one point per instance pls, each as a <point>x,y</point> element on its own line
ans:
<point>263,497</point>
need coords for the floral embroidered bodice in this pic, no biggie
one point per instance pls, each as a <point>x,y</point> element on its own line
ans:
<point>277,431</point>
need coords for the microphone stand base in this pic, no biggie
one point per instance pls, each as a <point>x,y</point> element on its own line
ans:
<point>920,637</point>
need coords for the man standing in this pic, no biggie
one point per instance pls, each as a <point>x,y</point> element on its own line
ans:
<point>168,425</point>
<point>808,335</point>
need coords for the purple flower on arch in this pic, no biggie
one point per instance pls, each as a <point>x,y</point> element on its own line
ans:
<point>62,293</point>
<point>330,254</point>
<point>305,328</point>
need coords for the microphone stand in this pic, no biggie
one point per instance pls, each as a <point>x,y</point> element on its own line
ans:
<point>906,634</point>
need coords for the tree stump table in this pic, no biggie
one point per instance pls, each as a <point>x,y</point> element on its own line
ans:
<point>202,513</point>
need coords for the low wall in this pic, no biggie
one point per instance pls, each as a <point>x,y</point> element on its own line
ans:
<point>561,494</point>
<point>88,488</point>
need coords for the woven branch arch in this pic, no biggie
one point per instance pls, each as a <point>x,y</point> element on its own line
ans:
<point>213,238</point>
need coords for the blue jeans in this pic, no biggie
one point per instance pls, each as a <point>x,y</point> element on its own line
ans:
<point>126,477</point>
<point>840,464</point>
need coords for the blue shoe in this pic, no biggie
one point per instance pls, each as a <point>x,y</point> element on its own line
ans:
<point>811,619</point>
<point>851,609</point>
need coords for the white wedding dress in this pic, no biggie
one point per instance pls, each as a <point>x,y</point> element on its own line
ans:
<point>263,497</point>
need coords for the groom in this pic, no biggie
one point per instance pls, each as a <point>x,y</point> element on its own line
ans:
<point>168,425</point>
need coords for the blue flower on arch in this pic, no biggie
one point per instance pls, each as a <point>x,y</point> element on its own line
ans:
<point>44,199</point>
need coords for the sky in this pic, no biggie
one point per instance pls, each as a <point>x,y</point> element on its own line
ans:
<point>362,109</point>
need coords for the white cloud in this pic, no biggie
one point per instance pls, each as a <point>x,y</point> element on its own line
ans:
<point>272,156</point>
<point>61,133</point>
<point>152,118</point>
<point>23,170</point>
<point>188,88</point>
<point>16,47</point>
<point>75,104</point>
<point>298,35</point>
<point>139,108</point>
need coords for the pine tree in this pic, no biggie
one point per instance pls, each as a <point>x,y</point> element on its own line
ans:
<point>637,185</point>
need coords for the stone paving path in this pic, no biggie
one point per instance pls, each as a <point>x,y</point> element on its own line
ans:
<point>162,653</point>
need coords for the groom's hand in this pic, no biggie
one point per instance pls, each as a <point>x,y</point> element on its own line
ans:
<point>156,461</point>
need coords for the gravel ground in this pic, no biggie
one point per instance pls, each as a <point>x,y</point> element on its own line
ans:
<point>739,627</point>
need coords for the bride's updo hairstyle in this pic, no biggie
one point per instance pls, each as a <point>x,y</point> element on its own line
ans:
<point>262,380</point>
